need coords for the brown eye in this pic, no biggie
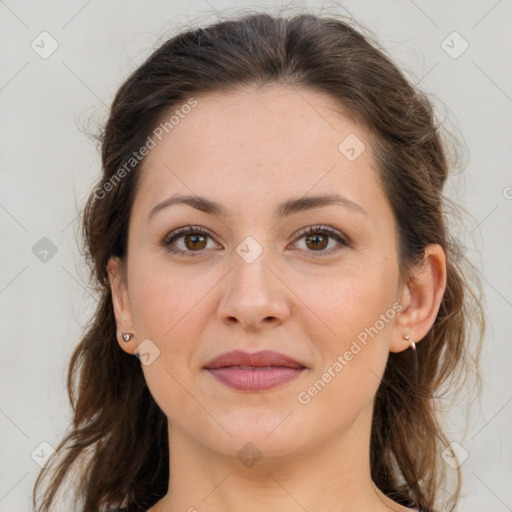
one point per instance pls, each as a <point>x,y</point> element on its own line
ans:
<point>193,240</point>
<point>318,241</point>
<point>317,238</point>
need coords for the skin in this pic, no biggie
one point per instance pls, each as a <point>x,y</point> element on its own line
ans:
<point>251,150</point>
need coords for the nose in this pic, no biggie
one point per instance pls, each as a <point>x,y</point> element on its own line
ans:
<point>254,296</point>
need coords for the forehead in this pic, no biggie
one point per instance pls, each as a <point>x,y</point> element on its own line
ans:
<point>265,124</point>
<point>255,145</point>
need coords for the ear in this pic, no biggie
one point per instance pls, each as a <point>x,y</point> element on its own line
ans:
<point>121,304</point>
<point>420,298</point>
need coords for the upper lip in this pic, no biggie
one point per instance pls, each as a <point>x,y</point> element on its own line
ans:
<point>257,359</point>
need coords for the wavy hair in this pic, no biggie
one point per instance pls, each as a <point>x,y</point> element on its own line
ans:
<point>115,418</point>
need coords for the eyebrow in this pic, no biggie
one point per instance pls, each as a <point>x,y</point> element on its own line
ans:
<point>283,210</point>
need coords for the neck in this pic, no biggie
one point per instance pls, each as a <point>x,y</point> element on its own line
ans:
<point>333,476</point>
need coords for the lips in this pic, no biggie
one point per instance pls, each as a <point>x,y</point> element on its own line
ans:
<point>259,371</point>
<point>261,359</point>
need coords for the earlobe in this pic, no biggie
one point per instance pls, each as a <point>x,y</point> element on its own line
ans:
<point>121,304</point>
<point>421,298</point>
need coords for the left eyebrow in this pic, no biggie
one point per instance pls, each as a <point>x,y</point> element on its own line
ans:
<point>283,210</point>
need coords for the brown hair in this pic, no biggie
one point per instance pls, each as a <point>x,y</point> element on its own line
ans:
<point>117,426</point>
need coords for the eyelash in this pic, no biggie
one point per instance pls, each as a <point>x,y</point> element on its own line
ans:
<point>192,230</point>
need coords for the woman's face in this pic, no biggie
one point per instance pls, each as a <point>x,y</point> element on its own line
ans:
<point>255,280</point>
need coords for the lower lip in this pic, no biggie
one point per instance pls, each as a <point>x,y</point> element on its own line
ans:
<point>255,380</point>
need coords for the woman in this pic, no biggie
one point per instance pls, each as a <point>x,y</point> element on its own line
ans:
<point>269,241</point>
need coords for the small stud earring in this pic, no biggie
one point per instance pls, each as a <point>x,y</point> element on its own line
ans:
<point>407,338</point>
<point>127,336</point>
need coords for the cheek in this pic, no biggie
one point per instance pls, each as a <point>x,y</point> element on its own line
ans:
<point>168,310</point>
<point>171,307</point>
<point>167,300</point>
<point>358,315</point>
<point>352,301</point>
<point>353,359</point>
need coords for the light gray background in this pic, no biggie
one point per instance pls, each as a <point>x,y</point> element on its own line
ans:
<point>48,166</point>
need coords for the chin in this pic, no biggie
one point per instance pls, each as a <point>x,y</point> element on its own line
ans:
<point>266,432</point>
